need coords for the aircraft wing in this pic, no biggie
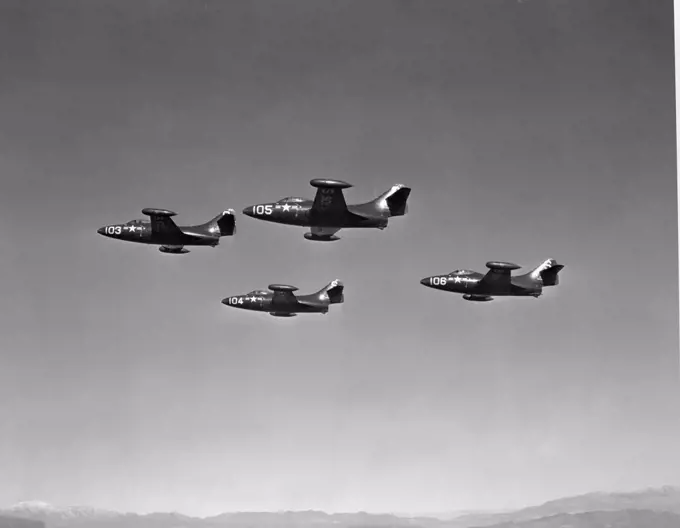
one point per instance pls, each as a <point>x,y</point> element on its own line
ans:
<point>161,222</point>
<point>287,297</point>
<point>177,250</point>
<point>329,198</point>
<point>323,231</point>
<point>498,276</point>
<point>495,278</point>
<point>283,294</point>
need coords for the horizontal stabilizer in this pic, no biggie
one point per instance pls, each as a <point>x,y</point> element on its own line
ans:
<point>547,272</point>
<point>335,291</point>
<point>332,293</point>
<point>392,202</point>
<point>550,276</point>
<point>396,200</point>
<point>224,224</point>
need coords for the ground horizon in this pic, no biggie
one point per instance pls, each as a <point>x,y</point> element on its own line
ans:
<point>440,515</point>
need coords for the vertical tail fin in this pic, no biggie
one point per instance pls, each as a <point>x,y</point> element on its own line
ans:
<point>547,272</point>
<point>334,290</point>
<point>224,224</point>
<point>395,200</point>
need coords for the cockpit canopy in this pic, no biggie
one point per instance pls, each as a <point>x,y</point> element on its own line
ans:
<point>291,199</point>
<point>258,292</point>
<point>461,272</point>
<point>136,221</point>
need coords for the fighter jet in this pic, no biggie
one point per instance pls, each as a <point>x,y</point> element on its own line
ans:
<point>497,282</point>
<point>328,212</point>
<point>163,231</point>
<point>282,302</point>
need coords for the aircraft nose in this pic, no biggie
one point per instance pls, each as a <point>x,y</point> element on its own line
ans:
<point>425,281</point>
<point>225,301</point>
<point>101,230</point>
<point>248,211</point>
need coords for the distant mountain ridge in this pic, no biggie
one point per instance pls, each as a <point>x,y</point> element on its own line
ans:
<point>653,505</point>
<point>666,498</point>
<point>602,519</point>
<point>39,508</point>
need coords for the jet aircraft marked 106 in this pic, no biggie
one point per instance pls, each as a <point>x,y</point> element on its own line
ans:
<point>328,213</point>
<point>162,230</point>
<point>498,281</point>
<point>282,302</point>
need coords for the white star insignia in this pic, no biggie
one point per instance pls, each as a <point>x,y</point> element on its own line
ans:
<point>457,279</point>
<point>286,207</point>
<point>132,229</point>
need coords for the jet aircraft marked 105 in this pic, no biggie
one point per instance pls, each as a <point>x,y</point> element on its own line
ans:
<point>328,213</point>
<point>282,302</point>
<point>162,230</point>
<point>498,281</point>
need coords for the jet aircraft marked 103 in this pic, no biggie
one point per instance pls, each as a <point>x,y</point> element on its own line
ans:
<point>328,213</point>
<point>162,230</point>
<point>282,302</point>
<point>498,281</point>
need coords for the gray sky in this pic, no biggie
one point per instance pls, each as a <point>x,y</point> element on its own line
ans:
<point>527,130</point>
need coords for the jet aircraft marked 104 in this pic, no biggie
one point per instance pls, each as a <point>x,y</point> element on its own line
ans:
<point>328,213</point>
<point>162,230</point>
<point>498,281</point>
<point>282,302</point>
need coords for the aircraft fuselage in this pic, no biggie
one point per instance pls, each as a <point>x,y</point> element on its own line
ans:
<point>141,232</point>
<point>300,213</point>
<point>471,284</point>
<point>265,302</point>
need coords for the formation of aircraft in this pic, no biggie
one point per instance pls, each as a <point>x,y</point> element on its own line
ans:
<point>328,213</point>
<point>498,281</point>
<point>281,301</point>
<point>325,215</point>
<point>163,231</point>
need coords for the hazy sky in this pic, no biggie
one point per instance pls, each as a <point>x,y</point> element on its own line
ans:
<point>528,130</point>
